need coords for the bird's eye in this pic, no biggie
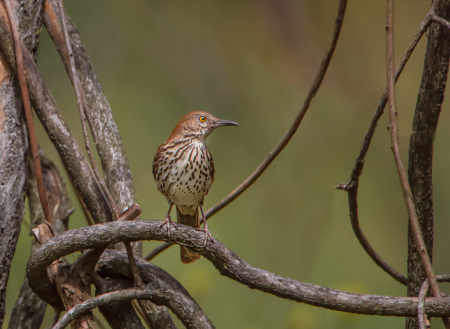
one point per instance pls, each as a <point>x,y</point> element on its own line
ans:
<point>202,119</point>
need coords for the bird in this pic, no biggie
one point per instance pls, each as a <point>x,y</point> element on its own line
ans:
<point>183,169</point>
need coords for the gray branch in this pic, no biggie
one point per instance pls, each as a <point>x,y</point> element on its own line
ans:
<point>229,264</point>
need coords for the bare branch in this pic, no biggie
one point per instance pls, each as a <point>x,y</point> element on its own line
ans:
<point>82,109</point>
<point>288,135</point>
<point>57,129</point>
<point>27,106</point>
<point>393,129</point>
<point>98,111</point>
<point>111,297</point>
<point>353,183</point>
<point>229,264</point>
<point>29,309</point>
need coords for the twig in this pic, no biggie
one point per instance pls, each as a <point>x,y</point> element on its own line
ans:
<point>288,135</point>
<point>353,183</point>
<point>229,264</point>
<point>422,319</point>
<point>421,316</point>
<point>81,108</point>
<point>28,114</point>
<point>393,130</point>
<point>131,213</point>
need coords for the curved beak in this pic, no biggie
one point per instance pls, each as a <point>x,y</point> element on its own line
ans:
<point>221,123</point>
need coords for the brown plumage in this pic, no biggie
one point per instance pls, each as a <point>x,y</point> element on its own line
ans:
<point>184,171</point>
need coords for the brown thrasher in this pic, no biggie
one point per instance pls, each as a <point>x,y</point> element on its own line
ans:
<point>184,172</point>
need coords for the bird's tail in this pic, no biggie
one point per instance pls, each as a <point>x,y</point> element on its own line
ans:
<point>187,255</point>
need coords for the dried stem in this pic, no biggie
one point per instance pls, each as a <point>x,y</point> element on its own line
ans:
<point>229,264</point>
<point>288,135</point>
<point>28,113</point>
<point>393,130</point>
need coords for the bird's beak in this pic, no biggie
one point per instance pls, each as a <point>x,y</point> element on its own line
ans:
<point>221,123</point>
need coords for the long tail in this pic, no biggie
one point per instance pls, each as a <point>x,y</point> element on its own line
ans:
<point>187,255</point>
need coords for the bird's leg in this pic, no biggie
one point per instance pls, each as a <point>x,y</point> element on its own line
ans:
<point>205,229</point>
<point>168,221</point>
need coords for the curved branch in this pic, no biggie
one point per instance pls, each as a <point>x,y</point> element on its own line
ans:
<point>229,264</point>
<point>121,296</point>
<point>353,183</point>
<point>289,134</point>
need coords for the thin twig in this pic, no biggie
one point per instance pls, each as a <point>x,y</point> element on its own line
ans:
<point>353,183</point>
<point>82,110</point>
<point>421,316</point>
<point>288,135</point>
<point>393,130</point>
<point>28,113</point>
<point>131,213</point>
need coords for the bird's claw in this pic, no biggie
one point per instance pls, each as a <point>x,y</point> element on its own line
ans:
<point>168,221</point>
<point>207,234</point>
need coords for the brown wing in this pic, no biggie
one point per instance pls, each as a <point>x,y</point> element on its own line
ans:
<point>156,159</point>
<point>211,164</point>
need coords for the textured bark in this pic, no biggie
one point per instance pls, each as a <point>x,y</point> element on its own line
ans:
<point>13,173</point>
<point>29,309</point>
<point>103,127</point>
<point>119,315</point>
<point>13,168</point>
<point>229,264</point>
<point>57,129</point>
<point>428,108</point>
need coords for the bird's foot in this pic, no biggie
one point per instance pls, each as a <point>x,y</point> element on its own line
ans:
<point>207,234</point>
<point>168,221</point>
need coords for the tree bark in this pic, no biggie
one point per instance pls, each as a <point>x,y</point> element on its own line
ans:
<point>428,108</point>
<point>13,172</point>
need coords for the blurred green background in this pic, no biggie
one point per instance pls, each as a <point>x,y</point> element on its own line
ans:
<point>253,62</point>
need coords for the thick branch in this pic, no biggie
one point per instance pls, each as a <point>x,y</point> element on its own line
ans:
<point>13,173</point>
<point>229,264</point>
<point>420,171</point>
<point>103,127</point>
<point>29,309</point>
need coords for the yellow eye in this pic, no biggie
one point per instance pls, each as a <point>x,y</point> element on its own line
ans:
<point>202,119</point>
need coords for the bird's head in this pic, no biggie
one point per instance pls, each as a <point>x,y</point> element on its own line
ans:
<point>198,124</point>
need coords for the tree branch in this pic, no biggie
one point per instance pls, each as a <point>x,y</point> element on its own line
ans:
<point>288,135</point>
<point>57,129</point>
<point>420,171</point>
<point>353,183</point>
<point>393,130</point>
<point>229,264</point>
